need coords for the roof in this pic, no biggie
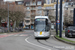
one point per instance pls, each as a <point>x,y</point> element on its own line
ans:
<point>41,17</point>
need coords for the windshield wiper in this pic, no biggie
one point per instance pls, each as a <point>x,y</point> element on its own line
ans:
<point>43,28</point>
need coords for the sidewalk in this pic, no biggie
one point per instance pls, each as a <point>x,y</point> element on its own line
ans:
<point>65,39</point>
<point>12,32</point>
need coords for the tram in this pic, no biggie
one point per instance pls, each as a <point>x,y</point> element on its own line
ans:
<point>42,27</point>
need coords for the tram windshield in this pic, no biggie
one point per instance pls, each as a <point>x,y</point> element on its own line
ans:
<point>41,25</point>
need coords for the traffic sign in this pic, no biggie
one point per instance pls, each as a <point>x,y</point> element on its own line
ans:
<point>57,21</point>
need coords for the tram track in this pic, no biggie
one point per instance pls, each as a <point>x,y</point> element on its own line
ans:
<point>38,40</point>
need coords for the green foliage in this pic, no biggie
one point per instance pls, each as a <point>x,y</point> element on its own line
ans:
<point>65,39</point>
<point>3,13</point>
<point>13,15</point>
<point>16,16</point>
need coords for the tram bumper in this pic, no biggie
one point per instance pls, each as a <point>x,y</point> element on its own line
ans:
<point>42,35</point>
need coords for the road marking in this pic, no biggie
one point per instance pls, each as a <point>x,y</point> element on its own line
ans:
<point>49,49</point>
<point>10,34</point>
<point>6,35</point>
<point>16,35</point>
<point>36,44</point>
<point>1,36</point>
<point>23,35</point>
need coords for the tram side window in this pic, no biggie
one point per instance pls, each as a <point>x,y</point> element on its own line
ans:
<point>47,26</point>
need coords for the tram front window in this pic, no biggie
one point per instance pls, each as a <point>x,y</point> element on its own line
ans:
<point>41,25</point>
<point>40,28</point>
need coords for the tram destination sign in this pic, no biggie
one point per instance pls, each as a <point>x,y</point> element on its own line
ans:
<point>40,19</point>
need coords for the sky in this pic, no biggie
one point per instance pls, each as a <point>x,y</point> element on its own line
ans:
<point>11,0</point>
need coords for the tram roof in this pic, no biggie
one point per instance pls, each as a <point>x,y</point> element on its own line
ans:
<point>41,17</point>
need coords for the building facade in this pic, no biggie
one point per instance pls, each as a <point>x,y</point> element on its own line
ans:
<point>51,9</point>
<point>69,7</point>
<point>33,8</point>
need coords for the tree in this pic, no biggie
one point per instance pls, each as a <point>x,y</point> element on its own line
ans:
<point>3,14</point>
<point>16,16</point>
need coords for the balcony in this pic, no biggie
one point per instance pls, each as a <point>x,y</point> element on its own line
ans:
<point>27,4</point>
<point>27,18</point>
<point>32,22</point>
<point>33,8</point>
<point>39,3</point>
<point>32,13</point>
<point>33,4</point>
<point>33,18</point>
<point>39,7</point>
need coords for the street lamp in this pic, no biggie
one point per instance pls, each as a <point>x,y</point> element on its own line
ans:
<point>8,18</point>
<point>9,1</point>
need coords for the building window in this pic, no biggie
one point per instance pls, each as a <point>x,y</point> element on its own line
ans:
<point>39,3</point>
<point>58,5</point>
<point>27,3</point>
<point>27,21</point>
<point>52,1</point>
<point>39,7</point>
<point>19,3</point>
<point>39,12</point>
<point>28,13</point>
<point>71,11</point>
<point>66,4</point>
<point>55,6</point>
<point>74,3</point>
<point>59,0</point>
<point>69,0</point>
<point>69,4</point>
<point>27,8</point>
<point>48,1</point>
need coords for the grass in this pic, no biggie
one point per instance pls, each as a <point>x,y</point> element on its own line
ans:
<point>62,31</point>
<point>65,39</point>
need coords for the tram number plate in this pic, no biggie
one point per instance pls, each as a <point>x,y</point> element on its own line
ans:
<point>40,33</point>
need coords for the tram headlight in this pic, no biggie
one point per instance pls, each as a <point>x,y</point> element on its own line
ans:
<point>36,33</point>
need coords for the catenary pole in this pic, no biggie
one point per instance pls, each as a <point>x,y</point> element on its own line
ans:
<point>60,33</point>
<point>74,17</point>
<point>57,18</point>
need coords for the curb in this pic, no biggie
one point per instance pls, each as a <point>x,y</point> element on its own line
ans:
<point>64,41</point>
<point>12,32</point>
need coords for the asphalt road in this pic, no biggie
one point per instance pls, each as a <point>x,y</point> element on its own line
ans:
<point>26,41</point>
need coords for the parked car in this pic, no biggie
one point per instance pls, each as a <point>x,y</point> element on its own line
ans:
<point>70,31</point>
